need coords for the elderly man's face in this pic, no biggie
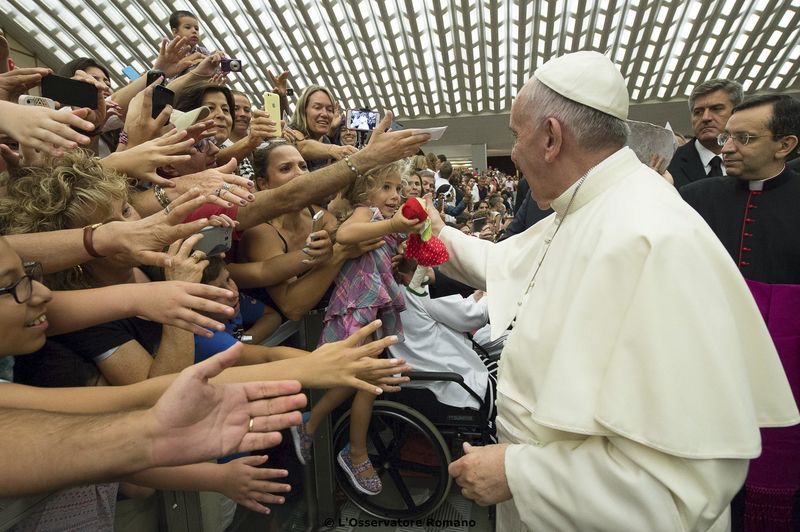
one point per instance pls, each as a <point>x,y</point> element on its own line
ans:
<point>523,154</point>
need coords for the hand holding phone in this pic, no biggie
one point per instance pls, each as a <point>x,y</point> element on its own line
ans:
<point>317,223</point>
<point>162,97</point>
<point>272,106</point>
<point>71,92</point>
<point>215,241</point>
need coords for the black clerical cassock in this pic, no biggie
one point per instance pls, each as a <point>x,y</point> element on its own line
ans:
<point>759,225</point>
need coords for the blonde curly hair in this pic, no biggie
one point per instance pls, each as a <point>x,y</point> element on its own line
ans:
<point>67,192</point>
<point>358,192</point>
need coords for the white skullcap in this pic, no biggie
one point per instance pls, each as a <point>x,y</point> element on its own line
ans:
<point>589,78</point>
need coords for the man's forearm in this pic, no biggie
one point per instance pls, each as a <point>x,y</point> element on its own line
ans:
<point>298,193</point>
<point>175,352</point>
<point>79,449</point>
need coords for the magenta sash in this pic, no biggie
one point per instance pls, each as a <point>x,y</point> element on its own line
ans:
<point>773,480</point>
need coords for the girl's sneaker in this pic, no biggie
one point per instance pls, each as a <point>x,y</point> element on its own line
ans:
<point>367,485</point>
<point>302,440</point>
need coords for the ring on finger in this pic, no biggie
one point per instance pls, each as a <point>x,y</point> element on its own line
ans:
<point>226,186</point>
<point>167,209</point>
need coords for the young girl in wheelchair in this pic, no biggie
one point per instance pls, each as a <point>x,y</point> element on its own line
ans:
<point>365,290</point>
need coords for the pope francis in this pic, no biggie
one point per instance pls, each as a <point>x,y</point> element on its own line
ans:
<point>631,388</point>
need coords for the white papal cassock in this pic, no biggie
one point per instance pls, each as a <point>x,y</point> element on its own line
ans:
<point>639,369</point>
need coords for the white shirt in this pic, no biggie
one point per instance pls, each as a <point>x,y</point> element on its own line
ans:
<point>435,341</point>
<point>631,392</point>
<point>706,155</point>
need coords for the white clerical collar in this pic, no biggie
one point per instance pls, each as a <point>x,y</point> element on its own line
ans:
<point>706,155</point>
<point>759,184</point>
<point>596,180</point>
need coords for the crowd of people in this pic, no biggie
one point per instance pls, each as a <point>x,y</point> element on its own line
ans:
<point>148,255</point>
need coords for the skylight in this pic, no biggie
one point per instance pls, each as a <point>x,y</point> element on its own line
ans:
<point>434,58</point>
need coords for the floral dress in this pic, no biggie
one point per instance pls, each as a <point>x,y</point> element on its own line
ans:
<point>365,291</point>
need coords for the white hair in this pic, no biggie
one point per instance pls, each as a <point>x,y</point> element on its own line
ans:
<point>591,128</point>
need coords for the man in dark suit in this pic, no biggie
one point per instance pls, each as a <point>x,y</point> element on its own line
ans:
<point>711,104</point>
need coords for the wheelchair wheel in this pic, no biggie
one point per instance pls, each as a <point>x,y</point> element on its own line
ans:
<point>410,456</point>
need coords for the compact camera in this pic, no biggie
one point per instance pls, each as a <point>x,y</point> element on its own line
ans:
<point>231,65</point>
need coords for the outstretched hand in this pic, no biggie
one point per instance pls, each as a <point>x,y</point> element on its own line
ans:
<point>252,486</point>
<point>195,420</point>
<point>141,161</point>
<point>349,363</point>
<point>220,184</point>
<point>144,240</point>
<point>44,129</point>
<point>387,146</point>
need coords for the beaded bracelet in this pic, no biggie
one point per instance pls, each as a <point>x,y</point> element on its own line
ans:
<point>352,168</point>
<point>161,196</point>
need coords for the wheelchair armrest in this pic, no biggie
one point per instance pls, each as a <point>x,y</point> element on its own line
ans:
<point>435,376</point>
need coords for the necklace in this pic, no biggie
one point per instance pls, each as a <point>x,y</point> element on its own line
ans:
<point>549,240</point>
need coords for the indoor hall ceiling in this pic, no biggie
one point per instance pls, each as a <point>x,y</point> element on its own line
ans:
<point>435,58</point>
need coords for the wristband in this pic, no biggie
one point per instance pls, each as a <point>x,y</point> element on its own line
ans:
<point>88,233</point>
<point>352,168</point>
<point>123,137</point>
<point>161,196</point>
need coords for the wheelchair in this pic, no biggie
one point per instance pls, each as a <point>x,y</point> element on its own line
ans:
<point>412,439</point>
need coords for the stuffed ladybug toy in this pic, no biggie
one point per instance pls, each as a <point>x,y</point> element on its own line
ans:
<point>426,248</point>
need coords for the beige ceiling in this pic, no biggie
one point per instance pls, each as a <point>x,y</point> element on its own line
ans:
<point>437,60</point>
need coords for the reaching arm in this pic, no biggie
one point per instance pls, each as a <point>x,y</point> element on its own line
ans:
<point>241,480</point>
<point>172,302</point>
<point>192,421</point>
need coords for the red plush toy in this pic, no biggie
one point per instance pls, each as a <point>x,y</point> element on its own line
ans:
<point>426,248</point>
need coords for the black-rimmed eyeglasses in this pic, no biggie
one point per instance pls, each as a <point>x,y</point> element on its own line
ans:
<point>22,290</point>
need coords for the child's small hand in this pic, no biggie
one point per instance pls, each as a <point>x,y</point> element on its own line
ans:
<point>247,484</point>
<point>401,224</point>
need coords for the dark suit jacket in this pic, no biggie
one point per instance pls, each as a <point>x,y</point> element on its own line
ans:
<point>686,166</point>
<point>794,164</point>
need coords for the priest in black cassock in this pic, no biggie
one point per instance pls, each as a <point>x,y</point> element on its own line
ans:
<point>755,212</point>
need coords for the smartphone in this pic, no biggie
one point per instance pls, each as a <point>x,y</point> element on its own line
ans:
<point>70,92</point>
<point>130,73</point>
<point>272,106</point>
<point>153,75</point>
<point>216,240</point>
<point>231,65</point>
<point>27,99</point>
<point>361,120</point>
<point>478,224</point>
<point>162,97</point>
<point>316,222</point>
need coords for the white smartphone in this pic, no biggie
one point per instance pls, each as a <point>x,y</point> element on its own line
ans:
<point>316,222</point>
<point>27,99</point>
<point>272,106</point>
